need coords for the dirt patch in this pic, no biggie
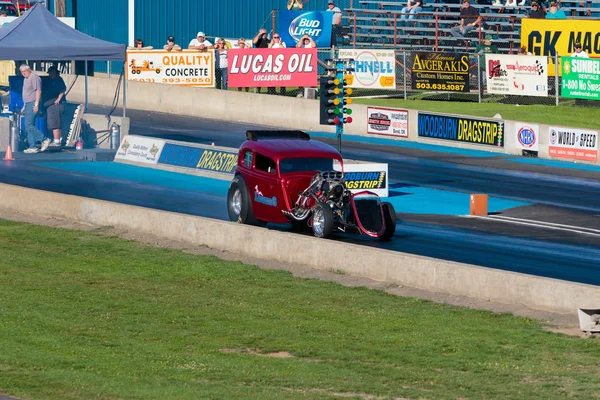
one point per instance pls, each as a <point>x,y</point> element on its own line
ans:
<point>560,323</point>
<point>278,354</point>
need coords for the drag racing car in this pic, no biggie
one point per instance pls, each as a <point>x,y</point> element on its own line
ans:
<point>285,177</point>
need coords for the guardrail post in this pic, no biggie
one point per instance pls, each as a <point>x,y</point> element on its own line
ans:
<point>354,39</point>
<point>437,34</point>
<point>395,29</point>
<point>556,76</point>
<point>405,70</point>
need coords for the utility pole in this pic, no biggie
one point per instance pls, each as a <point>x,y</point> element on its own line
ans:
<point>60,9</point>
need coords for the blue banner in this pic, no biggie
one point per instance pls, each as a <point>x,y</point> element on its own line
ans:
<point>198,158</point>
<point>461,129</point>
<point>294,24</point>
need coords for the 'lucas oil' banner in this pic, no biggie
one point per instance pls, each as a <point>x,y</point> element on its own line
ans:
<point>272,67</point>
<point>487,132</point>
<point>316,24</point>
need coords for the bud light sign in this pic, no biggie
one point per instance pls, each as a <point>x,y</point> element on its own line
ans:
<point>316,24</point>
<point>527,136</point>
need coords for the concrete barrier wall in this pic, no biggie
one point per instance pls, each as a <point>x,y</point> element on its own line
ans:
<point>403,269</point>
<point>262,109</point>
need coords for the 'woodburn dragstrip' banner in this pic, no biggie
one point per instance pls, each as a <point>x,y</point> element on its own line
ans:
<point>461,129</point>
<point>517,75</point>
<point>373,69</point>
<point>185,68</point>
<point>440,71</point>
<point>272,67</point>
<point>546,37</point>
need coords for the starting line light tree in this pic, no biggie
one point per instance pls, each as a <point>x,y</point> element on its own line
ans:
<point>335,96</point>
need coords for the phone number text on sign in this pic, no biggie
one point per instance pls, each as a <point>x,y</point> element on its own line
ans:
<point>181,68</point>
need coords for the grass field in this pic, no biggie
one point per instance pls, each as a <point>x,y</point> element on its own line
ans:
<point>88,316</point>
<point>569,116</point>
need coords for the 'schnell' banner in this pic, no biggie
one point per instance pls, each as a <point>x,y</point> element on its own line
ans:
<point>444,72</point>
<point>461,129</point>
<point>185,68</point>
<point>517,75</point>
<point>272,67</point>
<point>373,69</point>
<point>580,78</point>
<point>295,24</point>
<point>547,37</point>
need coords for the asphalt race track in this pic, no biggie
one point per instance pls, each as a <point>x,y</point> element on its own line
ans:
<point>546,222</point>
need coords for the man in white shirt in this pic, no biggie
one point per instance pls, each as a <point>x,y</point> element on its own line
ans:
<point>200,43</point>
<point>336,28</point>
<point>579,52</point>
<point>276,43</point>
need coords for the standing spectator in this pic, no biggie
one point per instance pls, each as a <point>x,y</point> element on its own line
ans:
<point>555,12</point>
<point>221,64</point>
<point>139,45</point>
<point>487,47</point>
<point>32,93</point>
<point>336,27</point>
<point>295,5</point>
<point>242,45</point>
<point>307,43</point>
<point>200,43</point>
<point>55,99</point>
<point>276,43</point>
<point>261,40</point>
<point>469,19</point>
<point>579,52</point>
<point>412,7</point>
<point>170,46</point>
<point>536,11</point>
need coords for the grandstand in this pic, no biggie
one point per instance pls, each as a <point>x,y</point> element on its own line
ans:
<point>379,24</point>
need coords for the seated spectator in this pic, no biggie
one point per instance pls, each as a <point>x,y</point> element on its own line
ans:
<point>469,19</point>
<point>412,7</point>
<point>510,3</point>
<point>139,45</point>
<point>261,40</point>
<point>200,43</point>
<point>295,5</point>
<point>555,12</point>
<point>170,46</point>
<point>54,102</point>
<point>537,11</point>
<point>523,51</point>
<point>579,52</point>
<point>487,46</point>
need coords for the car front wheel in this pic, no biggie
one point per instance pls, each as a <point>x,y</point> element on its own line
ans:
<point>389,215</point>
<point>322,220</point>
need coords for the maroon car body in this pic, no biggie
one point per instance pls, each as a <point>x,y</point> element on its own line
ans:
<point>284,177</point>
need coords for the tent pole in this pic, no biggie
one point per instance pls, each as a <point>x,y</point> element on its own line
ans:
<point>86,87</point>
<point>124,96</point>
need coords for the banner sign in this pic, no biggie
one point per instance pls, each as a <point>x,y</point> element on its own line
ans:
<point>486,132</point>
<point>272,67</point>
<point>574,144</point>
<point>205,159</point>
<point>373,69</point>
<point>580,78</point>
<point>547,37</point>
<point>295,24</point>
<point>69,21</point>
<point>185,68</point>
<point>367,176</point>
<point>528,136</point>
<point>140,149</point>
<point>387,121</point>
<point>444,72</point>
<point>517,75</point>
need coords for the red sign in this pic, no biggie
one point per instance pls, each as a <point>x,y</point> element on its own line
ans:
<point>272,67</point>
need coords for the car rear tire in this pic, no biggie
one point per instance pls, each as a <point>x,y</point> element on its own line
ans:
<point>322,220</point>
<point>389,216</point>
<point>239,204</point>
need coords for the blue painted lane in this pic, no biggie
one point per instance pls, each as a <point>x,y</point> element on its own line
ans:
<point>555,163</point>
